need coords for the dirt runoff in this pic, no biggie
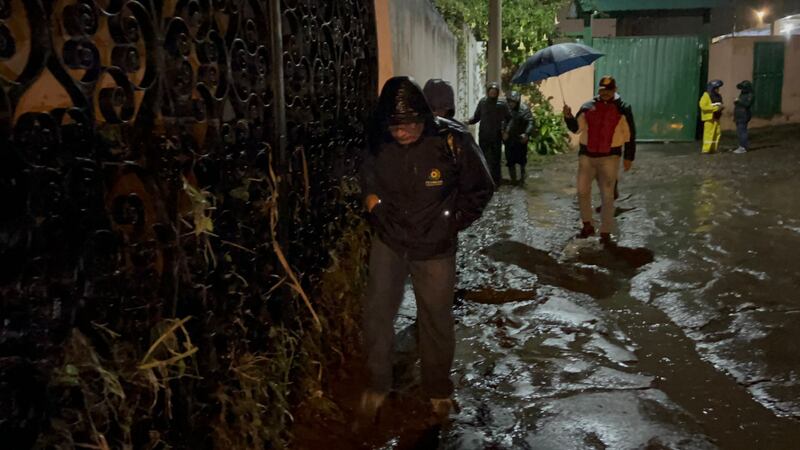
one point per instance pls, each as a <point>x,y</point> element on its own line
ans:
<point>684,335</point>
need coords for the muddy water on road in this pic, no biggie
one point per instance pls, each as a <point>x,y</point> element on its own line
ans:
<point>686,335</point>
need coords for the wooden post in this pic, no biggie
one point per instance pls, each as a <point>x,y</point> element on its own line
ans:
<point>495,44</point>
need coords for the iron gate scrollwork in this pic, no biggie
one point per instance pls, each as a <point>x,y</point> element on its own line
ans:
<point>143,164</point>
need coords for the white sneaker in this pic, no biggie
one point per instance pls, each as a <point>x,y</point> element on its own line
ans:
<point>740,150</point>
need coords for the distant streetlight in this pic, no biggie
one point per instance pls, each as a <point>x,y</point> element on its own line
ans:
<point>760,14</point>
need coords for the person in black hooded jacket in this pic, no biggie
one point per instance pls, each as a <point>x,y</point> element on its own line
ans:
<point>493,114</point>
<point>742,114</point>
<point>423,179</point>
<point>441,97</point>
<point>516,135</point>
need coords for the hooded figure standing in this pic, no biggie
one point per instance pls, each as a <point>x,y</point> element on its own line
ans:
<point>710,112</point>
<point>441,98</point>
<point>493,114</point>
<point>423,179</point>
<point>742,114</point>
<point>516,135</point>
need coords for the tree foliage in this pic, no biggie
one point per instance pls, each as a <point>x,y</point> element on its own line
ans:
<point>527,24</point>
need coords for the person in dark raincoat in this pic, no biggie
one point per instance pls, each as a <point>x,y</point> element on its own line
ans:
<point>710,112</point>
<point>441,98</point>
<point>516,135</point>
<point>423,179</point>
<point>742,114</point>
<point>493,114</point>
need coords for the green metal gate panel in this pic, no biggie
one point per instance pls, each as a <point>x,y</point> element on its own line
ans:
<point>659,76</point>
<point>767,78</point>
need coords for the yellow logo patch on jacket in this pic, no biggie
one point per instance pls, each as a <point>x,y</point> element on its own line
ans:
<point>434,178</point>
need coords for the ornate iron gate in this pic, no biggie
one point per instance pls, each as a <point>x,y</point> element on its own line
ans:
<point>161,159</point>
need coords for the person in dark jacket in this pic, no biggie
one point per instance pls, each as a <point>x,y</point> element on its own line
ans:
<point>423,179</point>
<point>605,125</point>
<point>441,97</point>
<point>742,114</point>
<point>515,138</point>
<point>493,114</point>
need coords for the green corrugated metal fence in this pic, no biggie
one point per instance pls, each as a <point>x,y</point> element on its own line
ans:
<point>767,78</point>
<point>659,76</point>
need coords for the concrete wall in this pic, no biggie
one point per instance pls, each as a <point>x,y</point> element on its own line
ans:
<point>604,27</point>
<point>383,30</point>
<point>414,40</point>
<point>421,44</point>
<point>570,26</point>
<point>470,85</point>
<point>731,60</point>
<point>578,88</point>
<point>662,26</point>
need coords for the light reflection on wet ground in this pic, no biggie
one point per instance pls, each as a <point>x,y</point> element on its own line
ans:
<point>685,336</point>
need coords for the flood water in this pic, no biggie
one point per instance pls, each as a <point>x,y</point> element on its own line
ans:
<point>686,335</point>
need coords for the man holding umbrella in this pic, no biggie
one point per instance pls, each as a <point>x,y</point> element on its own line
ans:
<point>605,125</point>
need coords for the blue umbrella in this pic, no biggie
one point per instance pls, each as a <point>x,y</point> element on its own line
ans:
<point>554,60</point>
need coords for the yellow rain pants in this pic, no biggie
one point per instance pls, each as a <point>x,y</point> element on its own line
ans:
<point>711,134</point>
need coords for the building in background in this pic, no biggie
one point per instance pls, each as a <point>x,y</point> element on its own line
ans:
<point>772,63</point>
<point>605,18</point>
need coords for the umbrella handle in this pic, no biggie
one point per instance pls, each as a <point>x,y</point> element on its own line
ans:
<point>563,98</point>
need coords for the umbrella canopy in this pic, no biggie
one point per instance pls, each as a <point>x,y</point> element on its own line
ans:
<point>555,60</point>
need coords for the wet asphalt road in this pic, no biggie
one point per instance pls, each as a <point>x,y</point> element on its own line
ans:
<point>684,336</point>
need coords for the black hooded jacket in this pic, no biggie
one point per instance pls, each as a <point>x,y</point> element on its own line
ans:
<point>428,190</point>
<point>741,110</point>
<point>440,96</point>
<point>521,121</point>
<point>493,114</point>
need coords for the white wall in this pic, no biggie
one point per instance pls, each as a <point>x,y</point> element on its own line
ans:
<point>470,78</point>
<point>423,47</point>
<point>414,40</point>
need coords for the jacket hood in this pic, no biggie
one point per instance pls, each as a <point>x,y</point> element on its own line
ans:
<point>440,96</point>
<point>513,96</point>
<point>745,86</point>
<point>714,84</point>
<point>493,85</point>
<point>402,101</point>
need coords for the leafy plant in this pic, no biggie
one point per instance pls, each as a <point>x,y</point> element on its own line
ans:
<point>527,24</point>
<point>551,132</point>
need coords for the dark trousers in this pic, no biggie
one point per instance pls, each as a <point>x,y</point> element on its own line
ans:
<point>741,130</point>
<point>493,152</point>
<point>434,285</point>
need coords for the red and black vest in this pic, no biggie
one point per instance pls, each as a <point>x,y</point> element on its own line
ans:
<point>602,120</point>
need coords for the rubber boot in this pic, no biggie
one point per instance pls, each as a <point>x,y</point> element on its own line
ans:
<point>512,172</point>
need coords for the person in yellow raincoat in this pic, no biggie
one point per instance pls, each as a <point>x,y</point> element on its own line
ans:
<point>710,112</point>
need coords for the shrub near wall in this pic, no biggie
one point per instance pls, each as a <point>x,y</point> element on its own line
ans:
<point>164,279</point>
